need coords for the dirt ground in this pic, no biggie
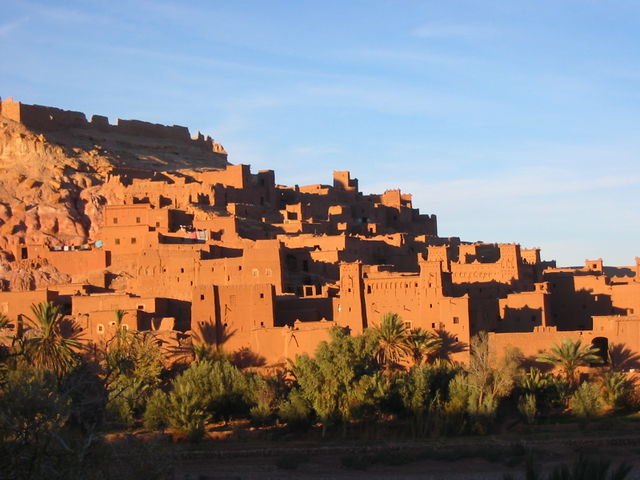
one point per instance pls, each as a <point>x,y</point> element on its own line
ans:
<point>489,457</point>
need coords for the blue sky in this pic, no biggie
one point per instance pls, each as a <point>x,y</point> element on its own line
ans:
<point>512,121</point>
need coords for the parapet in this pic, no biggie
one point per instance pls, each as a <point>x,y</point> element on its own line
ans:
<point>342,181</point>
<point>594,265</point>
<point>47,119</point>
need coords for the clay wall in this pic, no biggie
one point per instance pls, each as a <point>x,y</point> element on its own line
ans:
<point>469,269</point>
<point>572,305</point>
<point>276,345</point>
<point>222,228</point>
<point>246,210</point>
<point>85,304</point>
<point>291,308</point>
<point>128,239</point>
<point>396,294</point>
<point>621,333</point>
<point>349,308</point>
<point>10,109</point>
<point>100,326</point>
<point>45,118</point>
<point>258,265</point>
<point>145,129</point>
<point>163,190</point>
<point>523,311</point>
<point>42,118</point>
<point>392,198</point>
<point>166,272</point>
<point>531,344</point>
<point>317,189</point>
<point>530,255</point>
<point>322,243</point>
<point>17,305</point>
<point>237,176</point>
<point>226,315</point>
<point>132,215</point>
<point>243,308</point>
<point>342,181</point>
<point>367,294</point>
<point>76,262</point>
<point>625,298</point>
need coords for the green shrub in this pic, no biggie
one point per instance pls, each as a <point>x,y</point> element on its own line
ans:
<point>422,391</point>
<point>156,414</point>
<point>527,406</point>
<point>187,411</point>
<point>262,395</point>
<point>31,406</point>
<point>616,389</point>
<point>585,402</point>
<point>330,380</point>
<point>296,412</point>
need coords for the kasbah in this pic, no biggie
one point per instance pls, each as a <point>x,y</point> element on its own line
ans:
<point>192,247</point>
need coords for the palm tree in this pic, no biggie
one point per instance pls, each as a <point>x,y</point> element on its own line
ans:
<point>391,337</point>
<point>423,345</point>
<point>121,333</point>
<point>44,344</point>
<point>569,356</point>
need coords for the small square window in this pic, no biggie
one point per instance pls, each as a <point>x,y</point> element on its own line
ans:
<point>100,328</point>
<point>115,221</point>
<point>201,297</point>
<point>133,240</point>
<point>262,295</point>
<point>117,241</point>
<point>456,320</point>
<point>137,219</point>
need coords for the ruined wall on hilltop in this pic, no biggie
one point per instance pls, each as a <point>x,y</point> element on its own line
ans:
<point>48,119</point>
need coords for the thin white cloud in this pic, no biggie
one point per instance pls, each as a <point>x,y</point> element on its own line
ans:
<point>8,27</point>
<point>392,98</point>
<point>467,32</point>
<point>528,183</point>
<point>397,56</point>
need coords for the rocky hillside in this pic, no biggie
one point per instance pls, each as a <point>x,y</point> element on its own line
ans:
<point>53,185</point>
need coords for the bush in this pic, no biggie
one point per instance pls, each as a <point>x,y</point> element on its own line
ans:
<point>528,408</point>
<point>31,406</point>
<point>549,391</point>
<point>262,395</point>
<point>133,363</point>
<point>32,416</point>
<point>330,380</point>
<point>296,412</point>
<point>585,402</point>
<point>156,414</point>
<point>617,389</point>
<point>187,409</point>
